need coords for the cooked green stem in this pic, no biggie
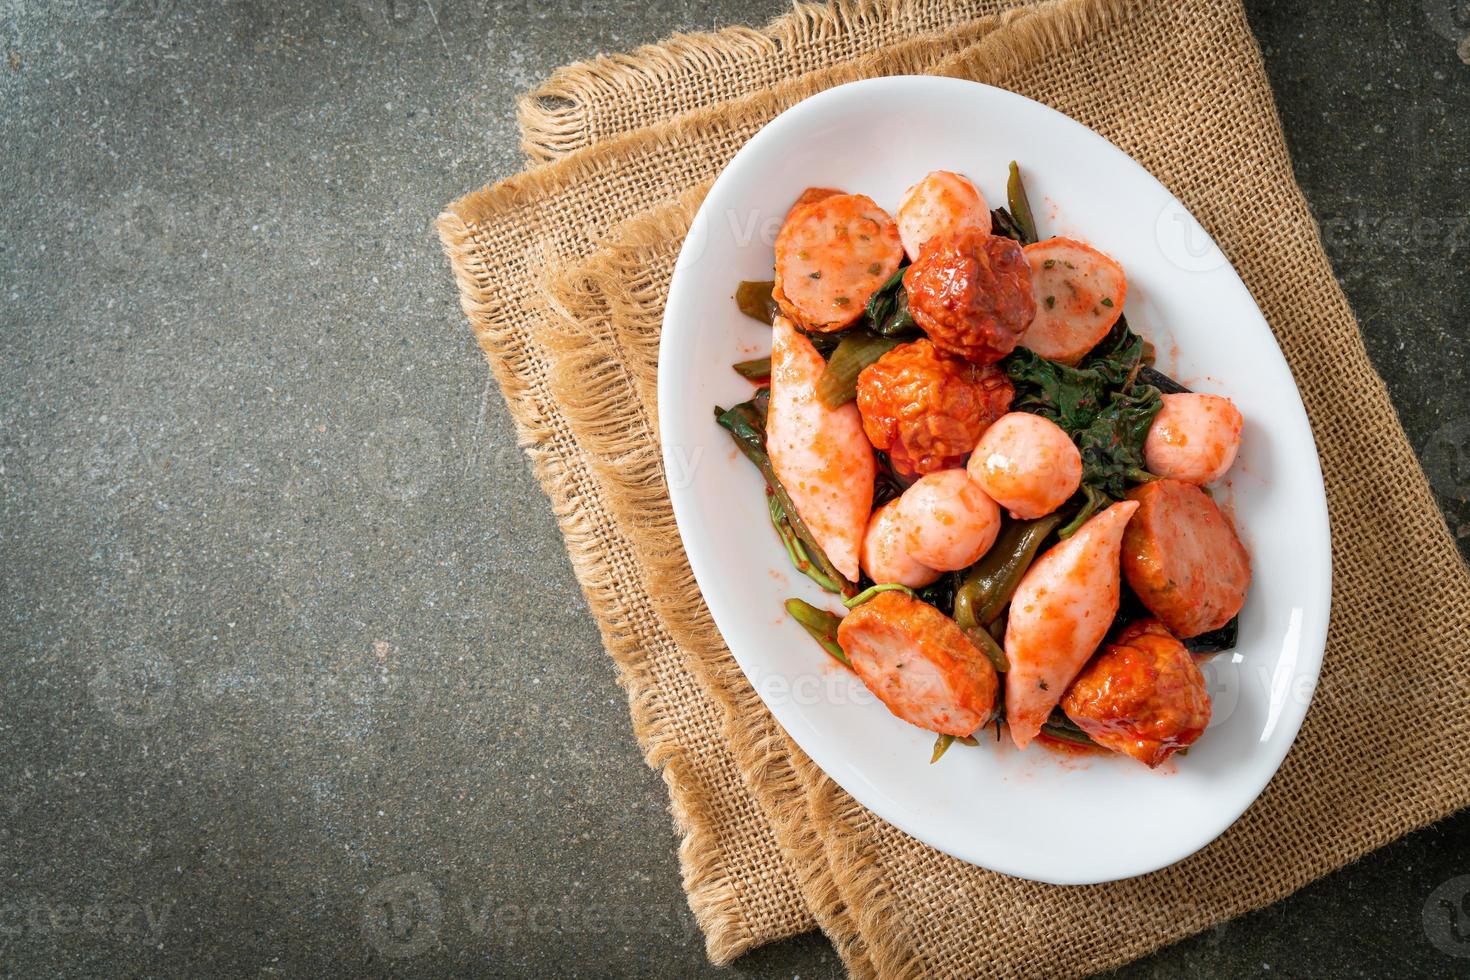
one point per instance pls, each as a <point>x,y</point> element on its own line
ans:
<point>822,626</point>
<point>1059,726</point>
<point>872,590</point>
<point>1149,376</point>
<point>1075,736</point>
<point>988,586</point>
<point>941,746</point>
<point>1096,500</point>
<point>757,370</point>
<point>795,550</point>
<point>993,651</point>
<point>1020,205</point>
<point>747,426</point>
<point>754,300</point>
<point>838,384</point>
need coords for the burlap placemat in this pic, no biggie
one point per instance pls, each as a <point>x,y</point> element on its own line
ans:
<point>1383,747</point>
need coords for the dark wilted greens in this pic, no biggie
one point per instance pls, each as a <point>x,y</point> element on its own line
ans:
<point>1161,381</point>
<point>1100,403</point>
<point>1215,641</point>
<point>1064,729</point>
<point>1112,443</point>
<point>888,311</point>
<point>1004,225</point>
<point>940,593</point>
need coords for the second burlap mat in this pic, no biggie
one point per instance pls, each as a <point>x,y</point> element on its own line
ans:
<point>563,272</point>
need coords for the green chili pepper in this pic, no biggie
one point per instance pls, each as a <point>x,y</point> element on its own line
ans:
<point>838,384</point>
<point>754,300</point>
<point>941,746</point>
<point>989,585</point>
<point>1020,205</point>
<point>822,626</point>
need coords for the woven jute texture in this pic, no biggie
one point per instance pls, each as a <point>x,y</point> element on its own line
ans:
<point>563,271</point>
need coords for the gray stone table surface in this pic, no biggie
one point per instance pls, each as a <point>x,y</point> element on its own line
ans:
<point>288,629</point>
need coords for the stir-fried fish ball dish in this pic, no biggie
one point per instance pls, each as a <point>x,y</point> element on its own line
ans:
<point>967,446</point>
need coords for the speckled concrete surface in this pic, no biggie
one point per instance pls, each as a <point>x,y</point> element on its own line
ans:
<point>289,635</point>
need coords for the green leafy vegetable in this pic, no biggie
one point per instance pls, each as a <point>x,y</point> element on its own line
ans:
<point>1004,225</point>
<point>888,309</point>
<point>1062,728</point>
<point>940,593</point>
<point>1112,443</point>
<point>1161,381</point>
<point>1224,638</point>
<point>1100,403</point>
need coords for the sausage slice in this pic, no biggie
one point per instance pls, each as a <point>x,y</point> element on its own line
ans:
<point>1079,295</point>
<point>1183,558</point>
<point>832,255</point>
<point>919,663</point>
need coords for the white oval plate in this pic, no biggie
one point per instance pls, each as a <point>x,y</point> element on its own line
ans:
<point>1024,814</point>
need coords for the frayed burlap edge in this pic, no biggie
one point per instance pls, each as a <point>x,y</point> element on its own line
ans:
<point>1030,34</point>
<point>590,101</point>
<point>715,898</point>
